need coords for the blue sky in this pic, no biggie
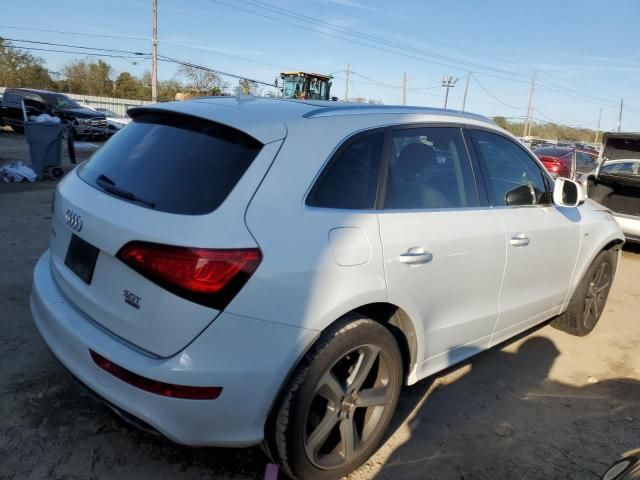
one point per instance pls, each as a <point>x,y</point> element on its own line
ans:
<point>585,51</point>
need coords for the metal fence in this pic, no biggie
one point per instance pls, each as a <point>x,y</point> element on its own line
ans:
<point>117,105</point>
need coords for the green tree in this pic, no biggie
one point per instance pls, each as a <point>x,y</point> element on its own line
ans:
<point>18,68</point>
<point>88,78</point>
<point>129,86</point>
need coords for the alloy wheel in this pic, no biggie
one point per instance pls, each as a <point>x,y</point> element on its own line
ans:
<point>596,295</point>
<point>349,404</point>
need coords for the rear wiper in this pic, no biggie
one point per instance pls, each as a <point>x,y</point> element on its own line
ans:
<point>110,186</point>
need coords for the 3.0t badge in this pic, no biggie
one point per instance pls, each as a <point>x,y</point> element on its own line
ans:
<point>132,299</point>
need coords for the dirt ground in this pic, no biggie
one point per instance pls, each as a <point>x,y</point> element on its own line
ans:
<point>544,406</point>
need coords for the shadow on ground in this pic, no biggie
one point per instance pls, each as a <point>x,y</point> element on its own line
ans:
<point>503,417</point>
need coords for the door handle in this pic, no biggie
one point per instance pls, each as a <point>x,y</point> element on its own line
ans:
<point>416,256</point>
<point>519,240</point>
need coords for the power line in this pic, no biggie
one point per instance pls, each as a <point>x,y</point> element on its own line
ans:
<point>376,82</point>
<point>212,70</point>
<point>106,55</point>
<point>340,32</point>
<point>74,46</point>
<point>552,86</point>
<point>65,32</point>
<point>492,95</point>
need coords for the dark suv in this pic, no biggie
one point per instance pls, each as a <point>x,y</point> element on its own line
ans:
<point>85,121</point>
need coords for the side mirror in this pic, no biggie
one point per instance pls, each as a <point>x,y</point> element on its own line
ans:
<point>521,195</point>
<point>567,193</point>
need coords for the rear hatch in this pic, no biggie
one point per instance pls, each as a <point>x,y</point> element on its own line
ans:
<point>617,182</point>
<point>148,237</point>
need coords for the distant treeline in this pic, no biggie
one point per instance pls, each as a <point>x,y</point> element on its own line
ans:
<point>549,131</point>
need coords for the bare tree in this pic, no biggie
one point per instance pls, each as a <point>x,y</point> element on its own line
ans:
<point>202,81</point>
<point>248,87</point>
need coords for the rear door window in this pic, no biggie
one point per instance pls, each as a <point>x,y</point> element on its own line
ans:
<point>350,180</point>
<point>172,163</point>
<point>429,168</point>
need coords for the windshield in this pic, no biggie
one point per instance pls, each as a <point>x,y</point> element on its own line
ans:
<point>62,101</point>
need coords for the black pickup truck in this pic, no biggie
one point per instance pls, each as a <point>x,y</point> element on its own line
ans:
<point>85,121</point>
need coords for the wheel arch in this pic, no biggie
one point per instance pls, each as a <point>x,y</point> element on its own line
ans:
<point>612,243</point>
<point>390,316</point>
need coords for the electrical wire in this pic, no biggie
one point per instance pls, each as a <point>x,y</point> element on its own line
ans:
<point>75,46</point>
<point>105,55</point>
<point>212,70</point>
<point>492,95</point>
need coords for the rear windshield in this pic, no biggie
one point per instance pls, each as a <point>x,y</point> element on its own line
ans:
<point>172,163</point>
<point>552,151</point>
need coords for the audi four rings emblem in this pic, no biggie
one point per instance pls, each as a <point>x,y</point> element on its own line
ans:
<point>74,220</point>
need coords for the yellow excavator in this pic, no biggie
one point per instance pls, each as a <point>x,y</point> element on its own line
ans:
<point>306,86</point>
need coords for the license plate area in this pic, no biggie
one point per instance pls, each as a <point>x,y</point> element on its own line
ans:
<point>81,258</point>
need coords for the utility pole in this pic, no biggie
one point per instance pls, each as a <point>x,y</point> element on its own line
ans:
<point>466,90</point>
<point>347,72</point>
<point>595,140</point>
<point>154,54</point>
<point>404,89</point>
<point>620,114</point>
<point>448,82</point>
<point>527,127</point>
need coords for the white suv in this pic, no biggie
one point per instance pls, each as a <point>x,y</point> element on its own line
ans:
<point>232,271</point>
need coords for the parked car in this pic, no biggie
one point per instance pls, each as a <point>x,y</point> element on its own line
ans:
<point>114,121</point>
<point>86,122</point>
<point>615,183</point>
<point>221,273</point>
<point>559,160</point>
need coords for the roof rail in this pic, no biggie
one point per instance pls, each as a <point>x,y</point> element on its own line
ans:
<point>352,109</point>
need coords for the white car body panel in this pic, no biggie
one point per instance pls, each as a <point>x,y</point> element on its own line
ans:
<point>317,265</point>
<point>468,263</point>
<point>533,290</point>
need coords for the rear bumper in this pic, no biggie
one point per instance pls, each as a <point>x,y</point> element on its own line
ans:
<point>248,358</point>
<point>630,226</point>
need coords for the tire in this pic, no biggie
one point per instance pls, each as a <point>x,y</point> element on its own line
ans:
<point>18,129</point>
<point>589,299</point>
<point>313,400</point>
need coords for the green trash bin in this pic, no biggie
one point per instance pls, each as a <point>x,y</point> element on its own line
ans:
<point>45,146</point>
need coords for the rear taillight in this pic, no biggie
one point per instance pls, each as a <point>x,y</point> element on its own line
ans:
<point>211,277</point>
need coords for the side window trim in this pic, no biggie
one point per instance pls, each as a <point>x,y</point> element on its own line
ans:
<point>383,174</point>
<point>480,175</point>
<point>546,179</point>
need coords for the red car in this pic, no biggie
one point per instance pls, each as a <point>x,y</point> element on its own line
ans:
<point>558,160</point>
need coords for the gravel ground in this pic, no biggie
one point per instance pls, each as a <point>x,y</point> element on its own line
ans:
<point>544,406</point>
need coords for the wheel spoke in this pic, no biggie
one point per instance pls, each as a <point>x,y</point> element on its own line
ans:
<point>319,436</point>
<point>349,440</point>
<point>594,309</point>
<point>598,275</point>
<point>329,387</point>
<point>371,397</point>
<point>587,307</point>
<point>368,356</point>
<point>599,290</point>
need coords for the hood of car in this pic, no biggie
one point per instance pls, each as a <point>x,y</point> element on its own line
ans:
<point>81,112</point>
